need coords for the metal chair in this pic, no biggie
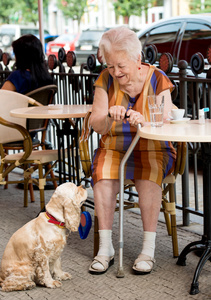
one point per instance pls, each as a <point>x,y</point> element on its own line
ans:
<point>168,206</point>
<point>14,129</point>
<point>44,95</point>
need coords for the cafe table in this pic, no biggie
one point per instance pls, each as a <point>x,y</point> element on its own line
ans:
<point>191,131</point>
<point>61,115</point>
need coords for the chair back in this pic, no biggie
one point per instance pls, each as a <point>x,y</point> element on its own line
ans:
<point>11,100</point>
<point>45,96</point>
<point>84,146</point>
<point>181,158</point>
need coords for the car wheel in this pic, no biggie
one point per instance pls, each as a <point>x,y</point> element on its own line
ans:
<point>6,40</point>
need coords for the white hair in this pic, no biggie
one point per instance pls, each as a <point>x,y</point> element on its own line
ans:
<point>120,39</point>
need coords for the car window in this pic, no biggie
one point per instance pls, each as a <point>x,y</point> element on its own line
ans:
<point>163,37</point>
<point>7,31</point>
<point>91,35</point>
<point>34,31</point>
<point>29,31</point>
<point>65,38</point>
<point>49,39</point>
<point>196,36</point>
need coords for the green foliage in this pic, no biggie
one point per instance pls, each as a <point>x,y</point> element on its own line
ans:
<point>126,8</point>
<point>20,11</point>
<point>6,9</point>
<point>196,6</point>
<point>73,9</point>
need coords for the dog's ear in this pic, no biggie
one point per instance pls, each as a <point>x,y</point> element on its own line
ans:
<point>55,206</point>
<point>72,208</point>
<point>72,212</point>
<point>80,196</point>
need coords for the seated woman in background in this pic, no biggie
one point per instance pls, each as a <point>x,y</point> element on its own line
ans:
<point>120,104</point>
<point>31,71</point>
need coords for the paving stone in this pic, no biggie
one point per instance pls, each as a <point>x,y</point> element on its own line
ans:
<point>167,281</point>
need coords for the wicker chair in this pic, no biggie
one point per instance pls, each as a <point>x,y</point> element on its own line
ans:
<point>13,130</point>
<point>43,96</point>
<point>168,206</point>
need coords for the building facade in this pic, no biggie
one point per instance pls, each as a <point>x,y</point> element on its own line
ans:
<point>100,13</point>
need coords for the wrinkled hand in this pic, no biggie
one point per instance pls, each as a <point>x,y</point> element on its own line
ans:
<point>134,117</point>
<point>118,113</point>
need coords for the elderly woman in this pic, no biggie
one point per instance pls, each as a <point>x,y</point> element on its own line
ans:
<point>121,90</point>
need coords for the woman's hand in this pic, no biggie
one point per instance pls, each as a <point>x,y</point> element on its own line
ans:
<point>134,118</point>
<point>117,113</point>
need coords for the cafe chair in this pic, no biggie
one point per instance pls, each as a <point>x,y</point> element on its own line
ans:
<point>168,206</point>
<point>43,96</point>
<point>13,130</point>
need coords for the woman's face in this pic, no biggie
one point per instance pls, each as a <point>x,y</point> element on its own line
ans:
<point>121,67</point>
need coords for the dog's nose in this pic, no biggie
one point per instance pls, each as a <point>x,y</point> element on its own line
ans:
<point>83,186</point>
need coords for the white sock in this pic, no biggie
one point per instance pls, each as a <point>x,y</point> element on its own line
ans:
<point>105,246</point>
<point>148,248</point>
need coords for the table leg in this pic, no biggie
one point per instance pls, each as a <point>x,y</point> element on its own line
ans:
<point>205,256</point>
<point>59,150</point>
<point>205,242</point>
<point>73,164</point>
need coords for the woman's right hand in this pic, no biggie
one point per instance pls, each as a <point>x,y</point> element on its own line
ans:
<point>117,113</point>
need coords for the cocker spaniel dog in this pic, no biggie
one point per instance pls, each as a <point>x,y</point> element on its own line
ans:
<point>32,255</point>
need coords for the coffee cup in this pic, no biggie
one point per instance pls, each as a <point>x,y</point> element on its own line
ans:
<point>177,114</point>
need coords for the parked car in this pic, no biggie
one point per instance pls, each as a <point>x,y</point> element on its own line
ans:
<point>88,44</point>
<point>48,38</point>
<point>181,36</point>
<point>66,41</point>
<point>11,32</point>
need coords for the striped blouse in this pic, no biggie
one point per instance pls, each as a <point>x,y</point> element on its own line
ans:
<point>150,160</point>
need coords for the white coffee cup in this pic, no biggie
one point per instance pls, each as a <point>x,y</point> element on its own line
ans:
<point>177,114</point>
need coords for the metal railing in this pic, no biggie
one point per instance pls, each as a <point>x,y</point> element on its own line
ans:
<point>192,92</point>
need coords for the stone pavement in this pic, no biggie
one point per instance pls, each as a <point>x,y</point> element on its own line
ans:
<point>167,280</point>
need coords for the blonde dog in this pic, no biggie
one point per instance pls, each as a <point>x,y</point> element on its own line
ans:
<point>32,255</point>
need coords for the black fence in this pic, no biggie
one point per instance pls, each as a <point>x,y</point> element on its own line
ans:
<point>192,92</point>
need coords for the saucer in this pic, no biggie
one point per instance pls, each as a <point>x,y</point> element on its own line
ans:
<point>55,106</point>
<point>183,120</point>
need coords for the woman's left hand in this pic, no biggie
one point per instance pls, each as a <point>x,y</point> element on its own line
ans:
<point>134,117</point>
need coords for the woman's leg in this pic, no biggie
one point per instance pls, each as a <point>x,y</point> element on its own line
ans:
<point>150,196</point>
<point>105,192</point>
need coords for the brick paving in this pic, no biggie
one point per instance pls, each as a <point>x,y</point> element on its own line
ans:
<point>167,280</point>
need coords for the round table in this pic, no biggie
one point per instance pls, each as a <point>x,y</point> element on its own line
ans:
<point>63,113</point>
<point>191,131</point>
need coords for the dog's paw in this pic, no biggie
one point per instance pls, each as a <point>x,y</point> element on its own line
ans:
<point>9,286</point>
<point>53,284</point>
<point>63,276</point>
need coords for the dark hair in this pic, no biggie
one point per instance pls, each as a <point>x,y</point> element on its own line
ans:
<point>29,55</point>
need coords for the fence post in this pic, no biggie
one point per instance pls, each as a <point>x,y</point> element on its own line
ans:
<point>185,177</point>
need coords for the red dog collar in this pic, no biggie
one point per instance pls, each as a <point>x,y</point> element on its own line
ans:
<point>52,220</point>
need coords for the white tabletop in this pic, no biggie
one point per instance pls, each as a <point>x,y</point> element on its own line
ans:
<point>191,131</point>
<point>46,112</point>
